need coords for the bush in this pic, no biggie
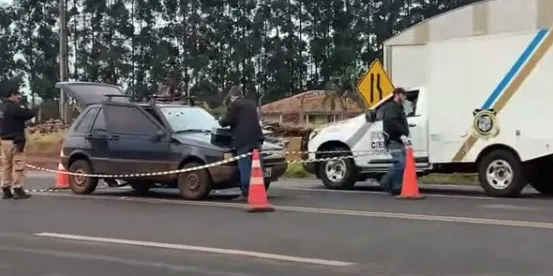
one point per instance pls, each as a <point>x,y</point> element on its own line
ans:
<point>44,142</point>
<point>295,170</point>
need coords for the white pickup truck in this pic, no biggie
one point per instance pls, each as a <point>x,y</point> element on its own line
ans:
<point>485,107</point>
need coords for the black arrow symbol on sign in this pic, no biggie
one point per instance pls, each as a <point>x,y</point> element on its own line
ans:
<point>377,86</point>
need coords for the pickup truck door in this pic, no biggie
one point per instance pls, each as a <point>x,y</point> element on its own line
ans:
<point>374,139</point>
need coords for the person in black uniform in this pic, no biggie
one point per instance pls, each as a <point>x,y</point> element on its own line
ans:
<point>12,133</point>
<point>243,119</point>
<point>396,133</point>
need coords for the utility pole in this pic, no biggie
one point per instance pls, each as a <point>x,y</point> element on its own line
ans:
<point>63,57</point>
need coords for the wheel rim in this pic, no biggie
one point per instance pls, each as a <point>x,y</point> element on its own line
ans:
<point>335,170</point>
<point>79,179</point>
<point>193,182</point>
<point>499,174</point>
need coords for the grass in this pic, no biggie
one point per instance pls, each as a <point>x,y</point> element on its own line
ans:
<point>296,170</point>
<point>44,142</point>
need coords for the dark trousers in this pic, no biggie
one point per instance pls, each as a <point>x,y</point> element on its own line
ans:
<point>245,166</point>
<point>393,179</point>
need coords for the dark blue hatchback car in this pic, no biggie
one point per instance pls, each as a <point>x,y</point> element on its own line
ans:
<point>113,136</point>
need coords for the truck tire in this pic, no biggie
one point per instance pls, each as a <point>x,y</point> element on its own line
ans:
<point>194,185</point>
<point>81,184</point>
<point>338,174</point>
<point>501,174</point>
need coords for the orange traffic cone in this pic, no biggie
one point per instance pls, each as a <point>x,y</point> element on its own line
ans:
<point>410,188</point>
<point>257,196</point>
<point>62,179</point>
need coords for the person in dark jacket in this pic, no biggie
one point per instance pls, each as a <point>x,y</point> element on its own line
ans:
<point>396,133</point>
<point>243,119</point>
<point>12,133</point>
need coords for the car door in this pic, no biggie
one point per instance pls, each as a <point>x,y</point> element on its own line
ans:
<point>132,140</point>
<point>98,146</point>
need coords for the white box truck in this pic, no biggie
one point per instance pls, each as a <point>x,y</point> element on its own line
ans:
<point>485,108</point>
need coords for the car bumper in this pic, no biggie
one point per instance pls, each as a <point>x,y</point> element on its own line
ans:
<point>227,176</point>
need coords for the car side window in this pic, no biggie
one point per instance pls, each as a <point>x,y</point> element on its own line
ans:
<point>100,122</point>
<point>86,121</point>
<point>130,120</point>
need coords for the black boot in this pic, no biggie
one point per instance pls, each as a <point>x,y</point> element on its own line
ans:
<point>19,193</point>
<point>7,193</point>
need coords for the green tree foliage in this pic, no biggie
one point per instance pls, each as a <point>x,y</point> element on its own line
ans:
<point>274,48</point>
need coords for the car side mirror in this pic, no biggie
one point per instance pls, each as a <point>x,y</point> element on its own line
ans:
<point>158,135</point>
<point>370,116</point>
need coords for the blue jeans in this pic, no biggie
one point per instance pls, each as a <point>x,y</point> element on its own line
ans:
<point>394,177</point>
<point>245,166</point>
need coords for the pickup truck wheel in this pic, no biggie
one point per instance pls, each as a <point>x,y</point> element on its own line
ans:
<point>82,184</point>
<point>501,174</point>
<point>338,174</point>
<point>140,187</point>
<point>194,185</point>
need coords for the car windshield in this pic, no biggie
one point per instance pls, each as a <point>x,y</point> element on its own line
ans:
<point>189,119</point>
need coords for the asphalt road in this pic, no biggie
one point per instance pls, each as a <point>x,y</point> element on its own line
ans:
<point>312,232</point>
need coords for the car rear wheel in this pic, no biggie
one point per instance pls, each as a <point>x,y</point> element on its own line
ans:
<point>194,185</point>
<point>82,184</point>
<point>267,184</point>
<point>140,187</point>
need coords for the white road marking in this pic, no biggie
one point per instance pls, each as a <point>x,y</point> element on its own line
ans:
<point>327,211</point>
<point>223,251</point>
<point>292,188</point>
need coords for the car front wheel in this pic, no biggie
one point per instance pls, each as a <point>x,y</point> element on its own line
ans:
<point>82,184</point>
<point>194,185</point>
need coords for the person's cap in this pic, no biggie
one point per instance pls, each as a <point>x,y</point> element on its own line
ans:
<point>399,90</point>
<point>13,91</point>
<point>235,91</point>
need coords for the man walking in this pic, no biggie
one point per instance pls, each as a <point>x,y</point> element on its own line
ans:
<point>12,133</point>
<point>396,133</point>
<point>243,119</point>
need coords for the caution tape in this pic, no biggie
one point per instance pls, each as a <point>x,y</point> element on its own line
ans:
<point>146,174</point>
<point>184,170</point>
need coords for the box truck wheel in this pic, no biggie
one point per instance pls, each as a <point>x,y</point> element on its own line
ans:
<point>338,174</point>
<point>501,174</point>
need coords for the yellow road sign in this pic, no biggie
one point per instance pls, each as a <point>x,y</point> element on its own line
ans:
<point>375,85</point>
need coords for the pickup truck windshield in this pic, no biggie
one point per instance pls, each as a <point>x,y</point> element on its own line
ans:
<point>183,119</point>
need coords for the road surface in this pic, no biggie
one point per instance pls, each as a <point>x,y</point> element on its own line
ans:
<point>312,232</point>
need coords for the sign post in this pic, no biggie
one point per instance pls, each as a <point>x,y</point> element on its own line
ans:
<point>375,85</point>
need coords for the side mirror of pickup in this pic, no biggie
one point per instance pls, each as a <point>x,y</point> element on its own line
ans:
<point>370,116</point>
